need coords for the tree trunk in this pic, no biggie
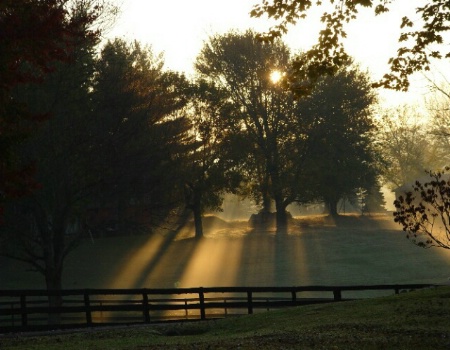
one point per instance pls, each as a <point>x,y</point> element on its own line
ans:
<point>197,209</point>
<point>267,203</point>
<point>120,218</point>
<point>281,217</point>
<point>198,221</point>
<point>193,197</point>
<point>266,199</point>
<point>53,280</point>
<point>332,207</point>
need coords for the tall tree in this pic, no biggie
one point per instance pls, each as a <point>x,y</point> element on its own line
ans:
<point>139,129</point>
<point>341,157</point>
<point>37,226</point>
<point>423,39</point>
<point>263,111</point>
<point>85,153</point>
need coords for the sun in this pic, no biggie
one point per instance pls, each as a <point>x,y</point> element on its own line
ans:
<point>276,76</point>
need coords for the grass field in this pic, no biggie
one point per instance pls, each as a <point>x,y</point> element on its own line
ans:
<point>317,251</point>
<point>414,320</point>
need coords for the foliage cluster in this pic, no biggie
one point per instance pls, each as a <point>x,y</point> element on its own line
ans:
<point>55,28</point>
<point>424,211</point>
<point>422,40</point>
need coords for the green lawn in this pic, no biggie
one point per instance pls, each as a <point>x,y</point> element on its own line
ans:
<point>414,320</point>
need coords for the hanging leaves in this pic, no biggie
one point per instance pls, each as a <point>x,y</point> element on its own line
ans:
<point>329,53</point>
<point>424,212</point>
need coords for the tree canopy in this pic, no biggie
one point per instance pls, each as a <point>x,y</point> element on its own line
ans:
<point>44,105</point>
<point>261,110</point>
<point>421,41</point>
<point>137,128</point>
<point>341,156</point>
<point>35,36</point>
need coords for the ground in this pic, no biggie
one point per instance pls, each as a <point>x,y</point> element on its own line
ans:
<point>415,320</point>
<point>317,251</point>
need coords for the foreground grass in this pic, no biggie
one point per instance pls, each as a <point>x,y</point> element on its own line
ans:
<point>415,320</point>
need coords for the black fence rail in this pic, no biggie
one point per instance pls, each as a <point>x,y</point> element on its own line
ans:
<point>22,310</point>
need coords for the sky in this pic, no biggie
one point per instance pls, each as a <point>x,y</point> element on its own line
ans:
<point>179,28</point>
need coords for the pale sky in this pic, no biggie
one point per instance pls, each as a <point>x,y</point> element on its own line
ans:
<point>179,27</point>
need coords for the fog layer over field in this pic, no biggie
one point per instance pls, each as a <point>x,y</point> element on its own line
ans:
<point>355,250</point>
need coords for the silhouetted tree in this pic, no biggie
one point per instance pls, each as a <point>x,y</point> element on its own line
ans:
<point>262,110</point>
<point>35,35</point>
<point>139,130</point>
<point>87,152</point>
<point>406,146</point>
<point>424,212</point>
<point>38,227</point>
<point>341,159</point>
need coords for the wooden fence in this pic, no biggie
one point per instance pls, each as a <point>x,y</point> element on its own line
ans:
<point>25,310</point>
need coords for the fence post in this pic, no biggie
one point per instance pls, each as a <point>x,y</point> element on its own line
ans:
<point>337,295</point>
<point>294,297</point>
<point>23,308</point>
<point>145,308</point>
<point>225,306</point>
<point>250,302</point>
<point>87,307</point>
<point>201,297</point>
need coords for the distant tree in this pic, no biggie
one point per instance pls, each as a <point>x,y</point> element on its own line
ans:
<point>370,200</point>
<point>341,158</point>
<point>424,39</point>
<point>424,212</point>
<point>35,35</point>
<point>262,110</point>
<point>438,123</point>
<point>405,143</point>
